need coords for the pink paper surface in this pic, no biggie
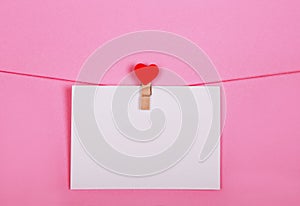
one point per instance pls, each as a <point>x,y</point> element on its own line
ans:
<point>243,38</point>
<point>260,142</point>
<point>260,147</point>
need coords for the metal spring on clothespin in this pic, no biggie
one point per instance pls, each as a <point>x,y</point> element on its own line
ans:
<point>146,74</point>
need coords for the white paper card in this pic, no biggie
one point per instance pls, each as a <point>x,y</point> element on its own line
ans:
<point>115,145</point>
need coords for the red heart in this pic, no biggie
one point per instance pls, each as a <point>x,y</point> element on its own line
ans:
<point>146,73</point>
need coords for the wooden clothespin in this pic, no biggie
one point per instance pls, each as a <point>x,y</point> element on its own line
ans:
<point>146,74</point>
<point>146,92</point>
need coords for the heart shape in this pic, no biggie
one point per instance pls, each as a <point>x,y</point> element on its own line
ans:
<point>146,73</point>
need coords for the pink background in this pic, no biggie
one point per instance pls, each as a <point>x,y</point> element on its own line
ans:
<point>244,39</point>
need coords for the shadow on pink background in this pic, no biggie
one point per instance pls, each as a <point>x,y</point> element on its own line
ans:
<point>260,141</point>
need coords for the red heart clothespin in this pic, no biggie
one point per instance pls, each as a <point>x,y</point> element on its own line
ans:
<point>146,74</point>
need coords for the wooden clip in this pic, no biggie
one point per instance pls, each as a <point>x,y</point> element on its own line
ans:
<point>146,92</point>
<point>146,74</point>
